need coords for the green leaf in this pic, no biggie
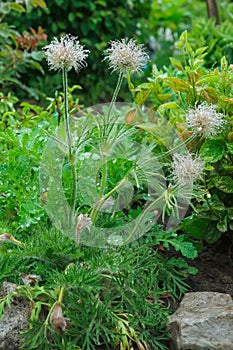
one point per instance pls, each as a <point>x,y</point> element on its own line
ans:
<point>230,213</point>
<point>142,96</point>
<point>212,150</point>
<point>194,226</point>
<point>177,84</point>
<point>187,249</point>
<point>230,147</point>
<point>4,7</point>
<point>197,63</point>
<point>223,183</point>
<point>71,17</point>
<point>201,50</point>
<point>207,79</point>
<point>40,3</point>
<point>169,105</point>
<point>201,228</point>
<point>17,7</point>
<point>222,225</point>
<point>37,55</point>
<point>176,63</point>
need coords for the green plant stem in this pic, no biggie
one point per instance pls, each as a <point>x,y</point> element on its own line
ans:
<point>177,147</point>
<point>59,301</point>
<point>146,211</point>
<point>107,129</point>
<point>66,111</point>
<point>95,211</point>
<point>194,88</point>
<point>115,94</point>
<point>104,175</point>
<point>71,157</point>
<point>209,204</point>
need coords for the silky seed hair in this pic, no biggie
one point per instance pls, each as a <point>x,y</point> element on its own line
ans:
<point>186,169</point>
<point>66,53</point>
<point>205,120</point>
<point>126,55</point>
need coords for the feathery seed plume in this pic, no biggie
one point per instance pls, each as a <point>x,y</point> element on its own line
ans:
<point>126,55</point>
<point>186,170</point>
<point>204,120</point>
<point>67,53</point>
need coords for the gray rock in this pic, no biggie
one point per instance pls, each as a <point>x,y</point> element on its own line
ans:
<point>203,321</point>
<point>14,320</point>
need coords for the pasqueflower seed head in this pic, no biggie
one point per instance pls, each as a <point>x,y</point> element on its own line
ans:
<point>126,55</point>
<point>66,53</point>
<point>186,170</point>
<point>204,120</point>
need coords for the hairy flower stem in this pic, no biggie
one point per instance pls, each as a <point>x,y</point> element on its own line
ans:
<point>95,211</point>
<point>104,175</point>
<point>71,158</point>
<point>114,97</point>
<point>66,112</point>
<point>146,211</point>
<point>189,139</point>
<point>59,301</point>
<point>107,129</point>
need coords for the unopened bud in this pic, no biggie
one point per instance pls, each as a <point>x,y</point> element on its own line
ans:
<point>57,320</point>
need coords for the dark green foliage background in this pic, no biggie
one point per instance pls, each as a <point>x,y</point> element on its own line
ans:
<point>95,23</point>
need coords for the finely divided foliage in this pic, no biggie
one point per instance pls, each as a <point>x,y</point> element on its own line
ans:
<point>126,55</point>
<point>204,120</point>
<point>66,53</point>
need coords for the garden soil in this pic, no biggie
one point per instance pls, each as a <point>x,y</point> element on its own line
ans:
<point>215,269</point>
<point>215,266</point>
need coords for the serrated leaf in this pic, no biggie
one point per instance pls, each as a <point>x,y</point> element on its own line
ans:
<point>212,150</point>
<point>187,249</point>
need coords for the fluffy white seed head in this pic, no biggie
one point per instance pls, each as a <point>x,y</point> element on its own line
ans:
<point>204,120</point>
<point>66,53</point>
<point>186,170</point>
<point>126,55</point>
